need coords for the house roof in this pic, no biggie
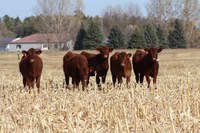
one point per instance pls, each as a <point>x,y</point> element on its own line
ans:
<point>43,38</point>
<point>5,41</point>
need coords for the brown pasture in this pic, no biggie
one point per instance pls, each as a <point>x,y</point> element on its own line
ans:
<point>173,107</point>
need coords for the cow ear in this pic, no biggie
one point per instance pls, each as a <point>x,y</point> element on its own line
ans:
<point>98,49</point>
<point>38,52</point>
<point>129,55</point>
<point>146,50</point>
<point>24,52</point>
<point>110,50</point>
<point>116,56</point>
<point>159,50</point>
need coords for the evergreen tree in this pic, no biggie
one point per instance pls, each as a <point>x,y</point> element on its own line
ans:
<point>176,38</point>
<point>79,38</point>
<point>29,26</point>
<point>116,38</point>
<point>150,36</point>
<point>162,39</point>
<point>9,22</point>
<point>137,40</point>
<point>93,37</point>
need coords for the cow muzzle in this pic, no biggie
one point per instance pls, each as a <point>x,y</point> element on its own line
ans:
<point>105,56</point>
<point>154,59</point>
<point>31,60</point>
<point>122,64</point>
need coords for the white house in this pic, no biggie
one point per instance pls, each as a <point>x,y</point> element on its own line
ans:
<point>42,41</point>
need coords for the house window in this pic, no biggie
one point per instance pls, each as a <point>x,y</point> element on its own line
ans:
<point>18,46</point>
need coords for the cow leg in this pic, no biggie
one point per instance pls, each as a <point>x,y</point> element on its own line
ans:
<point>84,83</point>
<point>38,84</point>
<point>74,83</point>
<point>24,81</point>
<point>120,80</point>
<point>141,78</point>
<point>128,80</point>
<point>32,85</point>
<point>154,82</point>
<point>29,88</point>
<point>77,83</point>
<point>88,80</point>
<point>114,79</point>
<point>67,80</point>
<point>98,80</point>
<point>148,80</point>
<point>29,84</point>
<point>137,77</point>
<point>103,79</point>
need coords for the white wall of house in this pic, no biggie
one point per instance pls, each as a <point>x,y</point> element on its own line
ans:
<point>14,47</point>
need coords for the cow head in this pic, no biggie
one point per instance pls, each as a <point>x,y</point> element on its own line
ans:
<point>31,54</point>
<point>104,51</point>
<point>123,58</point>
<point>91,71</point>
<point>153,53</point>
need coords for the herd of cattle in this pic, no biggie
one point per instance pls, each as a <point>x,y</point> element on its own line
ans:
<point>81,66</point>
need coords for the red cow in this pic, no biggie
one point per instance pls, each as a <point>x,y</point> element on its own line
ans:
<point>30,67</point>
<point>145,63</point>
<point>98,63</point>
<point>75,66</point>
<point>120,66</point>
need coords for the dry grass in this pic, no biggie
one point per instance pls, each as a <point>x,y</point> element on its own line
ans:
<point>173,107</point>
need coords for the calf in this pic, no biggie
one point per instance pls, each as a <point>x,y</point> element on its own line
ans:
<point>98,63</point>
<point>120,66</point>
<point>76,67</point>
<point>145,63</point>
<point>30,67</point>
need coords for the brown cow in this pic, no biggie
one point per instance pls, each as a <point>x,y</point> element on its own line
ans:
<point>120,66</point>
<point>30,67</point>
<point>145,63</point>
<point>75,66</point>
<point>99,63</point>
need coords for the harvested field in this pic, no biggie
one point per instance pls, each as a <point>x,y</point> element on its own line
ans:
<point>173,107</point>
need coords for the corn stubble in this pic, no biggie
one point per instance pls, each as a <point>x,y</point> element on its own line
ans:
<point>173,107</point>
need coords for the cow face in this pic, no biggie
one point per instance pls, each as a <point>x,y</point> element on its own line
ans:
<point>153,53</point>
<point>91,71</point>
<point>123,58</point>
<point>104,51</point>
<point>32,53</point>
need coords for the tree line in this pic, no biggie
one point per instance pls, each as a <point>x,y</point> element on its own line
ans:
<point>168,24</point>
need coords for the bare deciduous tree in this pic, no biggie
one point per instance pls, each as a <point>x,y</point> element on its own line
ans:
<point>57,16</point>
<point>186,10</point>
<point>160,10</point>
<point>132,10</point>
<point>111,16</point>
<point>4,32</point>
<point>120,16</point>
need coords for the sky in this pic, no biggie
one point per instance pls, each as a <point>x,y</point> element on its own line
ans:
<point>25,8</point>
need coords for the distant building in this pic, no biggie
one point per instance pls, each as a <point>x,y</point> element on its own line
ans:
<point>4,42</point>
<point>43,42</point>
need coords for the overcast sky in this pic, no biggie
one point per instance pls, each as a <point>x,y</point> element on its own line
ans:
<point>25,8</point>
